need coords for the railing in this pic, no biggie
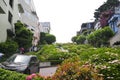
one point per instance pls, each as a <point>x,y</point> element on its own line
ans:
<point>3,6</point>
<point>118,23</point>
<point>4,2</point>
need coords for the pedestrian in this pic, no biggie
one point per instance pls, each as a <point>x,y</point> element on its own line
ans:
<point>22,50</point>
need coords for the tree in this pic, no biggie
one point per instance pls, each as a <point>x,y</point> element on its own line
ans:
<point>42,38</point>
<point>46,38</point>
<point>80,39</point>
<point>74,38</point>
<point>23,35</point>
<point>8,48</point>
<point>100,37</point>
<point>50,38</point>
<point>109,5</point>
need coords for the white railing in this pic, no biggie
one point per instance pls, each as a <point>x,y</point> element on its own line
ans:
<point>3,5</point>
<point>118,23</point>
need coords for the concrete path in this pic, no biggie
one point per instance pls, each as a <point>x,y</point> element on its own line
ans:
<point>48,71</point>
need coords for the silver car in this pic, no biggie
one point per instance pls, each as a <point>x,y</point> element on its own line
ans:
<point>27,64</point>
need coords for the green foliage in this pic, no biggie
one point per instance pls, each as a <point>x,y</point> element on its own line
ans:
<point>74,39</point>
<point>10,75</point>
<point>42,38</point>
<point>50,38</point>
<point>23,35</point>
<point>81,39</point>
<point>8,47</point>
<point>109,4</point>
<point>111,71</point>
<point>100,37</point>
<point>46,38</point>
<point>106,60</point>
<point>53,54</point>
<point>74,69</point>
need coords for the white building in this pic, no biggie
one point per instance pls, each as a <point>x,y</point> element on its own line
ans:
<point>8,17</point>
<point>13,10</point>
<point>28,16</point>
<point>45,27</point>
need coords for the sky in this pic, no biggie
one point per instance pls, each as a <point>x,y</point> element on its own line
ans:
<point>66,16</point>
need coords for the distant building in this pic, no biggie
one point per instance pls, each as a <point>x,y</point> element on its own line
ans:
<point>97,25</point>
<point>114,23</point>
<point>45,27</point>
<point>86,28</point>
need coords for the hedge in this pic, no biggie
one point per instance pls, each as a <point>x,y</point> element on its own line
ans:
<point>11,75</point>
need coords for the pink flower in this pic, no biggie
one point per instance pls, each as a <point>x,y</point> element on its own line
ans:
<point>29,77</point>
<point>33,75</point>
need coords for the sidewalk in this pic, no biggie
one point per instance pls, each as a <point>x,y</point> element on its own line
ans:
<point>48,71</point>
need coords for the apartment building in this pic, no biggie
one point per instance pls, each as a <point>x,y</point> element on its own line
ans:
<point>13,10</point>
<point>8,16</point>
<point>114,23</point>
<point>86,28</point>
<point>28,16</point>
<point>45,27</point>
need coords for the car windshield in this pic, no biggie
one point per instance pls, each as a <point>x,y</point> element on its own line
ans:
<point>19,59</point>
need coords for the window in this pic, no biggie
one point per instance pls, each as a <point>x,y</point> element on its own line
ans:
<point>4,2</point>
<point>11,3</point>
<point>2,11</point>
<point>33,60</point>
<point>27,1</point>
<point>10,17</point>
<point>27,14</point>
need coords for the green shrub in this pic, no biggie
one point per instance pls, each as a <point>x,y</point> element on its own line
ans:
<point>51,53</point>
<point>81,39</point>
<point>10,75</point>
<point>100,37</point>
<point>74,69</point>
<point>8,47</point>
<point>23,35</point>
<point>111,70</point>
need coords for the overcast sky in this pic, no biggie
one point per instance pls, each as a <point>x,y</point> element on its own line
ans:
<point>66,16</point>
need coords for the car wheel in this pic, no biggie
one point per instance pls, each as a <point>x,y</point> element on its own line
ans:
<point>27,71</point>
<point>38,70</point>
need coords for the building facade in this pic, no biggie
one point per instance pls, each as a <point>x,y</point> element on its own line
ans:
<point>13,10</point>
<point>86,28</point>
<point>8,16</point>
<point>45,27</point>
<point>114,23</point>
<point>28,16</point>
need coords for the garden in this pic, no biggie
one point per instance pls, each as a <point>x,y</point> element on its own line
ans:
<point>82,62</point>
<point>75,62</point>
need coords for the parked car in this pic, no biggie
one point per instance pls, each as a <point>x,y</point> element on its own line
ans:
<point>27,64</point>
<point>1,54</point>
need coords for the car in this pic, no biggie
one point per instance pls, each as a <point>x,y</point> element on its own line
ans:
<point>22,63</point>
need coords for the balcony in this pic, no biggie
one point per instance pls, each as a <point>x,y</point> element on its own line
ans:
<point>1,11</point>
<point>118,24</point>
<point>20,7</point>
<point>3,6</point>
<point>115,38</point>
